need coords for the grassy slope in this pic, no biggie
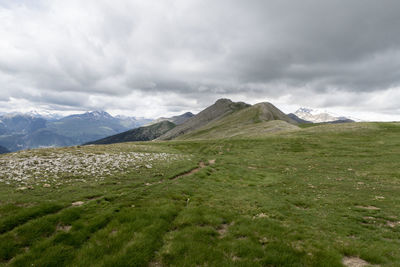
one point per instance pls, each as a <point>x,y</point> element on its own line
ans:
<point>220,109</point>
<point>248,122</point>
<point>292,200</point>
<point>144,133</point>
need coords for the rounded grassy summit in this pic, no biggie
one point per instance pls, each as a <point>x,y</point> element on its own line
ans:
<point>245,121</point>
<point>223,119</point>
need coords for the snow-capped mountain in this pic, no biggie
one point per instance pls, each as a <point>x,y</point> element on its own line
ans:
<point>45,115</point>
<point>20,123</point>
<point>320,116</point>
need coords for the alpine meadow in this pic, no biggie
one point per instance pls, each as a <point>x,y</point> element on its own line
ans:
<point>199,133</point>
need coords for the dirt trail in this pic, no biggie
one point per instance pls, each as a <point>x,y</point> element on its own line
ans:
<point>201,166</point>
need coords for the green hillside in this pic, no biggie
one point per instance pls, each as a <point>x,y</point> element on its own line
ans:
<point>218,110</point>
<point>319,196</point>
<point>145,133</point>
<point>253,121</point>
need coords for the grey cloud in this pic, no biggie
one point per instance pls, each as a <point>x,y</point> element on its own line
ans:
<point>69,52</point>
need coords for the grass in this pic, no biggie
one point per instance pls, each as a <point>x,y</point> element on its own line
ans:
<point>251,122</point>
<point>304,198</point>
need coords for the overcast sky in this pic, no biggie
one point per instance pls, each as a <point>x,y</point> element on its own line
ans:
<point>157,58</point>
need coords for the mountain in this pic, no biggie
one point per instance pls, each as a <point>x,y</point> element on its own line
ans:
<point>145,133</point>
<point>32,130</point>
<point>89,126</point>
<point>20,123</point>
<point>257,120</point>
<point>317,116</point>
<point>45,115</point>
<point>218,110</point>
<point>223,119</point>
<point>47,138</point>
<point>297,119</point>
<point>132,122</point>
<point>178,120</point>
<point>13,142</point>
<point>3,150</point>
<point>341,121</point>
<point>14,127</point>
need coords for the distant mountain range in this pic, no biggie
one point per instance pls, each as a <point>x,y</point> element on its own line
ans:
<point>307,115</point>
<point>33,130</point>
<point>222,119</point>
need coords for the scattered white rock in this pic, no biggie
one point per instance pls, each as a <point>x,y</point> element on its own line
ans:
<point>57,167</point>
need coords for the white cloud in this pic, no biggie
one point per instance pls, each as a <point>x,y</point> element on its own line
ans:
<point>152,58</point>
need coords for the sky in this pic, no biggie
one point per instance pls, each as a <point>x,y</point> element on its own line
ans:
<point>159,58</point>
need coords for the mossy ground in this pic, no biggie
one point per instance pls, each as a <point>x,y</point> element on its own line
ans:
<point>304,198</point>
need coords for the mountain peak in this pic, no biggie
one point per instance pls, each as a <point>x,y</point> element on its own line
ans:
<point>219,109</point>
<point>16,114</point>
<point>223,101</point>
<point>304,110</point>
<point>99,114</point>
<point>268,112</point>
<point>319,116</point>
<point>179,119</point>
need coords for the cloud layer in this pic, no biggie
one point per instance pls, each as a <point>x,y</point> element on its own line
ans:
<point>151,58</point>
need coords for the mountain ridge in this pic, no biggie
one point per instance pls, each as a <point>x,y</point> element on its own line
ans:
<point>253,120</point>
<point>219,109</point>
<point>144,133</point>
<point>178,120</point>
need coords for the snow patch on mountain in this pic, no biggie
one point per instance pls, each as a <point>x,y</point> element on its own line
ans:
<point>319,116</point>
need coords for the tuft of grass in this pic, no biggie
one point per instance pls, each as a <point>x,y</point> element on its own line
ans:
<point>24,215</point>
